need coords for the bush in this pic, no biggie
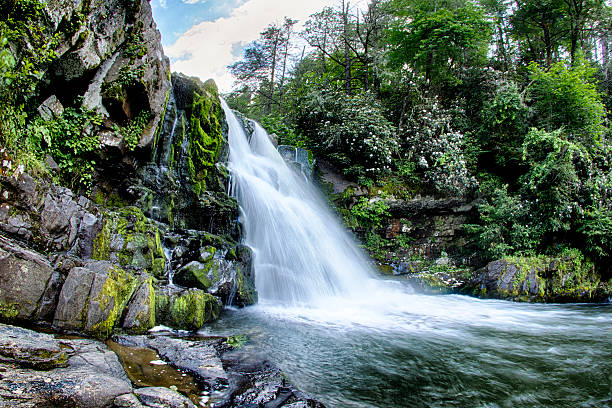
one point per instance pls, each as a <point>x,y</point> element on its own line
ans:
<point>350,131</point>
<point>437,149</point>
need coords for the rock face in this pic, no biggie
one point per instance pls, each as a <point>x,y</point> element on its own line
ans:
<point>24,276</point>
<point>110,53</point>
<point>541,279</point>
<point>93,299</point>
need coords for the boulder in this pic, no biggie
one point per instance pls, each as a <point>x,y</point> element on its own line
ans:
<point>140,311</point>
<point>185,309</point>
<point>24,276</point>
<point>160,397</point>
<point>30,349</point>
<point>93,298</point>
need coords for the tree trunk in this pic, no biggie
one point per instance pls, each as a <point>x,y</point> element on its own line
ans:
<point>347,54</point>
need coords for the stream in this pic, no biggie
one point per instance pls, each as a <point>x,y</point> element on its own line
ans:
<point>440,351</point>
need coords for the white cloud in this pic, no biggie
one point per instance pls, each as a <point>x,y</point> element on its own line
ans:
<point>205,50</point>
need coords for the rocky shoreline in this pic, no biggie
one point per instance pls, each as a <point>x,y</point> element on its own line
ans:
<point>43,370</point>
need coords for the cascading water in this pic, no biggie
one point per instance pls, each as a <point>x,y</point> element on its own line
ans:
<point>302,254</point>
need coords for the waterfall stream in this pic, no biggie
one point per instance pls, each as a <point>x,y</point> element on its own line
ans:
<point>302,253</point>
<point>352,339</point>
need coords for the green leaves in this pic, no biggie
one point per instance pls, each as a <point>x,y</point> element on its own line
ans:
<point>567,97</point>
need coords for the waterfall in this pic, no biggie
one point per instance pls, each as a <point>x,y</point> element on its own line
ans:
<point>302,253</point>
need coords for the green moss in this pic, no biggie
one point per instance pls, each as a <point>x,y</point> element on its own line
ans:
<point>246,288</point>
<point>146,320</point>
<point>141,242</point>
<point>113,297</point>
<point>566,277</point>
<point>205,139</point>
<point>192,309</point>
<point>8,312</point>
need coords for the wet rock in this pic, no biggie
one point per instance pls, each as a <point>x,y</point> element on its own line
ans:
<point>24,276</point>
<point>127,401</point>
<point>185,309</point>
<point>93,298</point>
<point>159,397</point>
<point>81,373</point>
<point>254,381</point>
<point>140,311</point>
<point>30,349</point>
<point>48,302</point>
<point>194,275</point>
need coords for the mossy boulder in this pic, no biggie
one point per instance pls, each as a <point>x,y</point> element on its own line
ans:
<point>226,274</point>
<point>93,298</point>
<point>140,312</point>
<point>130,239</point>
<point>186,309</point>
<point>195,275</point>
<point>569,278</point>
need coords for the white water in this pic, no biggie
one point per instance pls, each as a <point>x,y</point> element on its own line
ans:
<point>302,254</point>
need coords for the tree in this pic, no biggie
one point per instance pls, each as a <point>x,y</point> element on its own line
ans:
<point>567,97</point>
<point>438,43</point>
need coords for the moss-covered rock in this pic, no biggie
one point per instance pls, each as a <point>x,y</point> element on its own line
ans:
<point>569,278</point>
<point>140,311</point>
<point>189,309</point>
<point>93,298</point>
<point>130,239</point>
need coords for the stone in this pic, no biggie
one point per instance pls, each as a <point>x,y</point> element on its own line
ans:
<point>194,275</point>
<point>160,397</point>
<point>186,309</point>
<point>51,108</point>
<point>127,401</point>
<point>93,298</point>
<point>46,310</point>
<point>83,373</point>
<point>24,276</point>
<point>88,230</point>
<point>30,349</point>
<point>140,311</point>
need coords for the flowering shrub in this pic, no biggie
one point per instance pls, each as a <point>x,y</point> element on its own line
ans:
<point>437,149</point>
<point>351,131</point>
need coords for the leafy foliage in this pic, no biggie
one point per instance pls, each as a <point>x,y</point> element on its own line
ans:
<point>350,131</point>
<point>567,97</point>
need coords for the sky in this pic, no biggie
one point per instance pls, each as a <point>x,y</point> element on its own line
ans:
<point>203,37</point>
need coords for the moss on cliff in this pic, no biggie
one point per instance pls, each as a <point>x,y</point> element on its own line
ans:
<point>205,138</point>
<point>132,240</point>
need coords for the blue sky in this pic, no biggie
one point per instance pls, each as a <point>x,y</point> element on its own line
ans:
<point>175,17</point>
<point>203,37</point>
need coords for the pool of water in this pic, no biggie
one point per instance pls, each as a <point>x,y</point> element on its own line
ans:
<point>411,350</point>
